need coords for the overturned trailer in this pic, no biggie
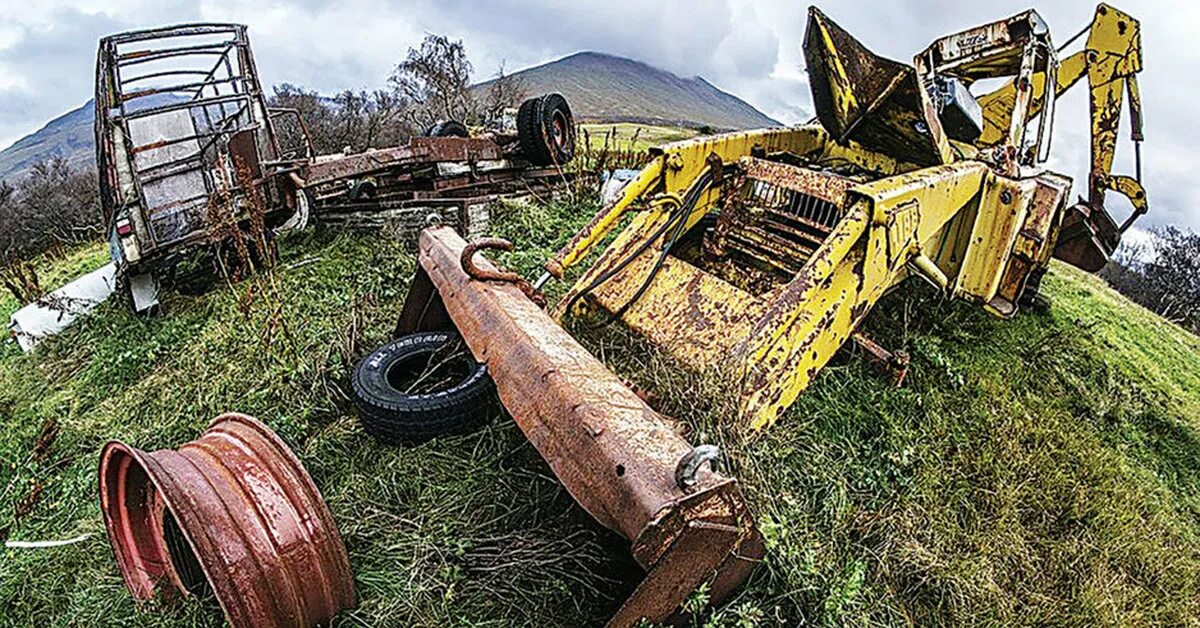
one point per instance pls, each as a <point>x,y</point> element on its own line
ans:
<point>191,156</point>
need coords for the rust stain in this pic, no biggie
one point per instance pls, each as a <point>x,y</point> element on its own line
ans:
<point>621,468</point>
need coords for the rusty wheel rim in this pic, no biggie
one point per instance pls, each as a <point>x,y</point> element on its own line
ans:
<point>234,510</point>
<point>559,131</point>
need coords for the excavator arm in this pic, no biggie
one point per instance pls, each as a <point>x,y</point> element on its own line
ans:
<point>1110,60</point>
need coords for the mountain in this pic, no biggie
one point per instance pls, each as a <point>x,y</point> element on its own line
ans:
<point>68,136</point>
<point>600,88</point>
<point>606,88</point>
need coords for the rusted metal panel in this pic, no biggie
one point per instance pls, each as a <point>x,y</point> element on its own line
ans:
<point>232,511</point>
<point>419,150</point>
<point>1003,206</point>
<point>821,184</point>
<point>863,97</point>
<point>694,315</point>
<point>1034,242</point>
<point>160,130</point>
<point>778,214</point>
<point>614,454</point>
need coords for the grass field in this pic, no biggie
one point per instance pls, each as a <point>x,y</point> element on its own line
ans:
<point>1044,470</point>
<point>629,136</point>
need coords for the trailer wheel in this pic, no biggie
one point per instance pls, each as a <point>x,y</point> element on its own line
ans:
<point>546,130</point>
<point>420,387</point>
<point>449,128</point>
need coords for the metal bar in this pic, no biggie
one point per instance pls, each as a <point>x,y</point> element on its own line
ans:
<point>614,454</point>
<point>145,56</point>
<point>180,72</point>
<point>185,87</point>
<point>142,113</point>
<point>200,28</point>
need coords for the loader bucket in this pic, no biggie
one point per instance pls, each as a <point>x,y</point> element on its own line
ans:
<point>1088,238</point>
<point>622,461</point>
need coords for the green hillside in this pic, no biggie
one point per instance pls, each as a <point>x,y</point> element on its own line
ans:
<point>608,88</point>
<point>1043,470</point>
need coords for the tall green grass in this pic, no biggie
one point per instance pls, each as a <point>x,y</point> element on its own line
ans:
<point>1040,470</point>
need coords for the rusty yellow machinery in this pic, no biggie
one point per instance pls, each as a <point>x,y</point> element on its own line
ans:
<point>756,255</point>
<point>759,253</point>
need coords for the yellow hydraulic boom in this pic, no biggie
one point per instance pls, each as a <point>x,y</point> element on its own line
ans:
<point>1110,60</point>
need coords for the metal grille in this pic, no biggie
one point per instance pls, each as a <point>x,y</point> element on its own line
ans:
<point>781,227</point>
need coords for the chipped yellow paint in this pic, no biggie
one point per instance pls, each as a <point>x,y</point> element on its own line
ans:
<point>1110,60</point>
<point>1002,211</point>
<point>968,219</point>
<point>675,166</point>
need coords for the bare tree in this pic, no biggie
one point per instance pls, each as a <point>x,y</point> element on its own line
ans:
<point>505,91</point>
<point>358,120</point>
<point>1166,279</point>
<point>434,80</point>
<point>52,205</point>
<point>1175,275</point>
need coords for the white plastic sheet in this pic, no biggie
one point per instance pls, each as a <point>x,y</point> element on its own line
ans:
<point>56,311</point>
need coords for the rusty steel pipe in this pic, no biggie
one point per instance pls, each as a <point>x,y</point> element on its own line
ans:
<point>233,510</point>
<point>616,456</point>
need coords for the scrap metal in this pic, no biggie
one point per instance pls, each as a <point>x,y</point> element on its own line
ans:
<point>622,461</point>
<point>188,152</point>
<point>904,175</point>
<point>232,512</point>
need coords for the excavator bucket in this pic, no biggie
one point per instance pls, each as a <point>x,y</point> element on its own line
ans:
<point>622,461</point>
<point>1088,238</point>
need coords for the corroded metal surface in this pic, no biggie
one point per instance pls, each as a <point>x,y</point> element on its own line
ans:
<point>160,126</point>
<point>613,453</point>
<point>232,511</point>
<point>798,256</point>
<point>418,150</point>
<point>863,97</point>
<point>778,214</point>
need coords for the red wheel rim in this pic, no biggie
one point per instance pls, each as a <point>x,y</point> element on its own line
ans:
<point>559,130</point>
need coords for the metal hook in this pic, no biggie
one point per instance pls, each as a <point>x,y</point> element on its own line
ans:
<point>481,274</point>
<point>689,465</point>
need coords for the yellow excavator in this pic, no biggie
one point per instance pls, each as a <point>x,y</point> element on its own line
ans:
<point>754,256</point>
<point>760,252</point>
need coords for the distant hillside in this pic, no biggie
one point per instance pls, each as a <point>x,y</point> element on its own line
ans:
<point>600,87</point>
<point>68,136</point>
<point>607,88</point>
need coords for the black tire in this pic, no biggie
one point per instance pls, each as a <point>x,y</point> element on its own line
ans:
<point>400,417</point>
<point>546,130</point>
<point>449,128</point>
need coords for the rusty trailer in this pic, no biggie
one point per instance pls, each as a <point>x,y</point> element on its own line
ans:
<point>190,156</point>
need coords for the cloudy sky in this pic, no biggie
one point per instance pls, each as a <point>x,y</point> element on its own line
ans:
<point>750,48</point>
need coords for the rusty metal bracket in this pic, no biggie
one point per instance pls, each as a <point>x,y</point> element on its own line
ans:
<point>894,364</point>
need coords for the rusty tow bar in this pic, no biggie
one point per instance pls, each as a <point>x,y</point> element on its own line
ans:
<point>622,461</point>
<point>233,512</point>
